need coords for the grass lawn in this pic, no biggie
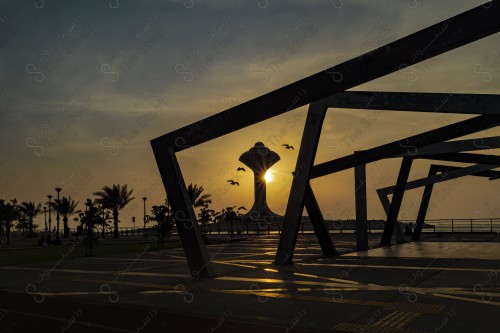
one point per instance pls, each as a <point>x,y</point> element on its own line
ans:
<point>35,254</point>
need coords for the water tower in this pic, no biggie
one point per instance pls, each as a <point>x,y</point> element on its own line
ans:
<point>259,159</point>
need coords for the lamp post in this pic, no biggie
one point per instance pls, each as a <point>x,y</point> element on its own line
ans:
<point>45,217</point>
<point>89,217</point>
<point>58,189</point>
<point>143,230</point>
<point>50,214</point>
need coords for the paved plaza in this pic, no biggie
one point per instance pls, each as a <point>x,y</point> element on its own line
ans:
<point>448,286</point>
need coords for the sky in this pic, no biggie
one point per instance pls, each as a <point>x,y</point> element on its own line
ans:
<point>85,85</point>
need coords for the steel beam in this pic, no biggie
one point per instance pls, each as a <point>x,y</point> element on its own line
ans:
<point>408,146</point>
<point>492,175</point>
<point>386,204</point>
<point>464,158</point>
<point>295,206</point>
<point>452,174</point>
<point>457,146</point>
<point>426,196</point>
<point>424,203</point>
<point>361,207</point>
<point>417,102</point>
<point>432,41</point>
<point>185,219</point>
<point>397,199</point>
<point>318,223</point>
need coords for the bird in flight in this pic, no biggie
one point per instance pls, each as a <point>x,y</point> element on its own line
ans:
<point>287,146</point>
<point>241,169</point>
<point>233,182</point>
<point>242,207</point>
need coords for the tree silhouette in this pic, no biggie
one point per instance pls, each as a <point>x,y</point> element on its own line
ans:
<point>29,210</point>
<point>114,198</point>
<point>66,207</point>
<point>8,212</point>
<point>164,218</point>
<point>195,196</point>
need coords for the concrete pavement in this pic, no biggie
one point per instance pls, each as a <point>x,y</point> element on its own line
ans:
<point>447,286</point>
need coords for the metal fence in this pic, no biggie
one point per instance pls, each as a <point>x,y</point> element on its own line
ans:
<point>460,225</point>
<point>482,225</point>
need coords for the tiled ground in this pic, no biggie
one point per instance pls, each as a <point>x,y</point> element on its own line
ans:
<point>412,287</point>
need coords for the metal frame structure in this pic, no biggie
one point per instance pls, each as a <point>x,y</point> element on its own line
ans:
<point>437,174</point>
<point>446,173</point>
<point>328,89</point>
<point>443,150</point>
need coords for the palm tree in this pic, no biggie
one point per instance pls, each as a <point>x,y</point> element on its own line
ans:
<point>196,197</point>
<point>164,218</point>
<point>29,209</point>
<point>2,218</point>
<point>114,198</point>
<point>8,213</point>
<point>66,207</point>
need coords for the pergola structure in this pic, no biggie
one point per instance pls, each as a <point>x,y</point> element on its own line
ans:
<point>447,151</point>
<point>437,173</point>
<point>327,89</point>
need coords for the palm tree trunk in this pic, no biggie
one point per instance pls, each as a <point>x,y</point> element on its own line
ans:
<point>66,228</point>
<point>30,227</point>
<point>115,220</point>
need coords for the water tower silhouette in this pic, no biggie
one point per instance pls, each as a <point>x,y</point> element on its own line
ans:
<point>259,159</point>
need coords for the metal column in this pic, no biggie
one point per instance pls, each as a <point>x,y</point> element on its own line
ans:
<point>424,205</point>
<point>318,223</point>
<point>397,199</point>
<point>185,219</point>
<point>361,210</point>
<point>295,206</point>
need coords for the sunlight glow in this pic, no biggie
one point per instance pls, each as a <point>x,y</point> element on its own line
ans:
<point>268,176</point>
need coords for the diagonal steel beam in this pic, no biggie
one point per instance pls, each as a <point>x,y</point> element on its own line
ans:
<point>458,146</point>
<point>185,218</point>
<point>464,158</point>
<point>386,204</point>
<point>318,223</point>
<point>451,174</point>
<point>437,39</point>
<point>491,174</point>
<point>417,102</point>
<point>409,145</point>
<point>426,199</point>
<point>397,199</point>
<point>426,196</point>
<point>295,205</point>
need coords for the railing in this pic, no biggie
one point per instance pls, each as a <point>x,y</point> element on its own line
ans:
<point>349,226</point>
<point>482,225</point>
<point>460,225</point>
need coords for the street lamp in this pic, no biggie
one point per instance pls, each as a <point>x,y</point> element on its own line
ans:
<point>144,213</point>
<point>45,216</point>
<point>88,206</point>
<point>58,189</point>
<point>50,216</point>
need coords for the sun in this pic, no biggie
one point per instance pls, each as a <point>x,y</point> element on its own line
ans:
<point>268,176</point>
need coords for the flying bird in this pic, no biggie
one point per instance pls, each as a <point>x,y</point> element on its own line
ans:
<point>233,182</point>
<point>242,208</point>
<point>287,146</point>
<point>241,169</point>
